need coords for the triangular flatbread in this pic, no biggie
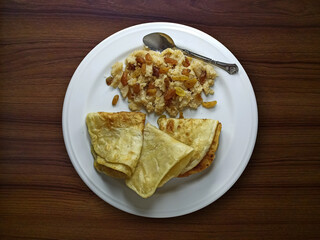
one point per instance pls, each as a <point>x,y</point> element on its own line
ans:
<point>162,158</point>
<point>201,134</point>
<point>116,140</point>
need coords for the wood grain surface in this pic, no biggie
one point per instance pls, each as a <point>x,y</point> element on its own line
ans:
<point>42,43</point>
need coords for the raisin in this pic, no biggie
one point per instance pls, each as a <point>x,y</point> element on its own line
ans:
<point>124,78</point>
<point>190,83</point>
<point>148,59</point>
<point>115,100</point>
<point>186,71</point>
<point>163,70</point>
<point>170,60</point>
<point>151,85</point>
<point>143,69</point>
<point>140,60</point>
<point>167,82</point>
<point>155,71</point>
<point>151,92</point>
<point>169,94</point>
<point>109,80</point>
<point>131,67</point>
<point>186,62</point>
<point>209,104</point>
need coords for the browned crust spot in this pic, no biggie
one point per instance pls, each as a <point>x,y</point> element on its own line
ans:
<point>170,126</point>
<point>123,119</point>
<point>208,158</point>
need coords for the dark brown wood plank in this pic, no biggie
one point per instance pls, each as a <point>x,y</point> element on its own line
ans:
<point>249,13</point>
<point>41,45</point>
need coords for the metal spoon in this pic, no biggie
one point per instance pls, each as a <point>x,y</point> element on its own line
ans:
<point>161,41</point>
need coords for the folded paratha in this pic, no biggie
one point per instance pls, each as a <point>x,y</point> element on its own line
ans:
<point>116,140</point>
<point>201,134</point>
<point>162,158</point>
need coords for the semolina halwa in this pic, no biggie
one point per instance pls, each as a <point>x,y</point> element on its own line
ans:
<point>167,81</point>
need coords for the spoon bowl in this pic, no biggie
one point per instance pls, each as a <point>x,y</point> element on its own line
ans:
<point>160,41</point>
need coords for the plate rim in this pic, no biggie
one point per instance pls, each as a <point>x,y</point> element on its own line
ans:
<point>223,189</point>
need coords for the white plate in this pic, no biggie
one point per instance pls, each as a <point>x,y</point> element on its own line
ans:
<point>236,110</point>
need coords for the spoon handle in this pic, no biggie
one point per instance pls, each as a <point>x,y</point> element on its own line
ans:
<point>228,67</point>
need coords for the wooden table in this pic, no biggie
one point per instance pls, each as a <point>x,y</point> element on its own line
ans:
<point>278,195</point>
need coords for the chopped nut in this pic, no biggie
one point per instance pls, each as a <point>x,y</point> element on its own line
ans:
<point>202,77</point>
<point>209,104</point>
<point>148,59</point>
<point>109,80</point>
<point>186,71</point>
<point>136,88</point>
<point>190,83</point>
<point>180,92</point>
<point>115,99</point>
<point>124,78</point>
<point>151,92</point>
<point>170,60</point>
<point>155,71</point>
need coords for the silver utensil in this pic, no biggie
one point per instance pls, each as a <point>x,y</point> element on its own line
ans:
<point>160,41</point>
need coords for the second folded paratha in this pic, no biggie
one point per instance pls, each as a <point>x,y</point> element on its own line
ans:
<point>162,158</point>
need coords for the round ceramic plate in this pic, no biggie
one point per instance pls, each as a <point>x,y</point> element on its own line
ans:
<point>236,110</point>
